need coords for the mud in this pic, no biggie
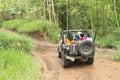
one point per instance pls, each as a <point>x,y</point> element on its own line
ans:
<point>102,69</point>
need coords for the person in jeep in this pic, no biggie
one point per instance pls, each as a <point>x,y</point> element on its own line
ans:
<point>77,36</point>
<point>82,37</point>
<point>89,37</point>
<point>69,38</point>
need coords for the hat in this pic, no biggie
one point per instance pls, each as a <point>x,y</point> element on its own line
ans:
<point>78,33</point>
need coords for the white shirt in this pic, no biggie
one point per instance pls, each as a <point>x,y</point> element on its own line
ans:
<point>89,38</point>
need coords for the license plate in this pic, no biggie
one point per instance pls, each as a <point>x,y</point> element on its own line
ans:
<point>70,58</point>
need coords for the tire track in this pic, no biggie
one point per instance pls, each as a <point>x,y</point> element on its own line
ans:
<point>102,69</point>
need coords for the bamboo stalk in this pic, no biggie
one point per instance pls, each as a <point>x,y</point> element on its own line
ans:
<point>115,11</point>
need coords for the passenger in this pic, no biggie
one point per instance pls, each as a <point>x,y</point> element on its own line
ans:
<point>69,38</point>
<point>77,36</point>
<point>68,41</point>
<point>82,37</point>
<point>89,37</point>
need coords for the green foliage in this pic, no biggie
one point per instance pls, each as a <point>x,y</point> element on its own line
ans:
<point>16,65</point>
<point>32,26</point>
<point>53,31</point>
<point>14,41</point>
<point>13,24</point>
<point>109,41</point>
<point>50,28</point>
<point>15,58</point>
<point>1,21</point>
<point>117,56</point>
<point>103,15</point>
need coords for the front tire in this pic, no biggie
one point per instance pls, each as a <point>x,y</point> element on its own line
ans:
<point>59,54</point>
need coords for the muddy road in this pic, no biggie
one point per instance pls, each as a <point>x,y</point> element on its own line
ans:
<point>102,69</point>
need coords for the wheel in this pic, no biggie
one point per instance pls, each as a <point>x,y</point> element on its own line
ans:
<point>86,48</point>
<point>59,54</point>
<point>59,51</point>
<point>65,62</point>
<point>90,61</point>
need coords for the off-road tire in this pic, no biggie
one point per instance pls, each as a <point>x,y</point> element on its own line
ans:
<point>65,62</point>
<point>86,48</point>
<point>59,54</point>
<point>90,61</point>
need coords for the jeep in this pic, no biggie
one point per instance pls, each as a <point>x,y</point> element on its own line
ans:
<point>77,50</point>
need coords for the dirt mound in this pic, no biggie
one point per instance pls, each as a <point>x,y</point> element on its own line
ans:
<point>38,35</point>
<point>102,69</point>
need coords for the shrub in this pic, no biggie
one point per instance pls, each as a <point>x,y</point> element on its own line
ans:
<point>109,41</point>
<point>13,24</point>
<point>1,21</point>
<point>117,56</point>
<point>32,26</point>
<point>50,28</point>
<point>15,41</point>
<point>24,26</point>
<point>53,31</point>
<point>16,65</point>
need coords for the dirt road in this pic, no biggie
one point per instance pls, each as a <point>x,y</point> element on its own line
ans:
<point>102,69</point>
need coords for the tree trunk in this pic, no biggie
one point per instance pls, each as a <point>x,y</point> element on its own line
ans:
<point>44,10</point>
<point>49,9</point>
<point>27,9</point>
<point>91,17</point>
<point>53,12</point>
<point>115,11</point>
<point>67,13</point>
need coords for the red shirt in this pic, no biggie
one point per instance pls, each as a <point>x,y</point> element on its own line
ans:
<point>82,38</point>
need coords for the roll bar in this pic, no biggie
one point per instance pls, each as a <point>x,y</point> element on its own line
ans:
<point>86,31</point>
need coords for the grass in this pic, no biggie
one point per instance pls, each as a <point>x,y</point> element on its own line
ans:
<point>117,56</point>
<point>109,41</point>
<point>1,22</point>
<point>15,41</point>
<point>16,61</point>
<point>16,65</point>
<point>13,24</point>
<point>50,28</point>
<point>32,26</point>
<point>23,26</point>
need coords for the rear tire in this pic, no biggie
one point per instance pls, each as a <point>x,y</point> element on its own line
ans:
<point>90,61</point>
<point>65,62</point>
